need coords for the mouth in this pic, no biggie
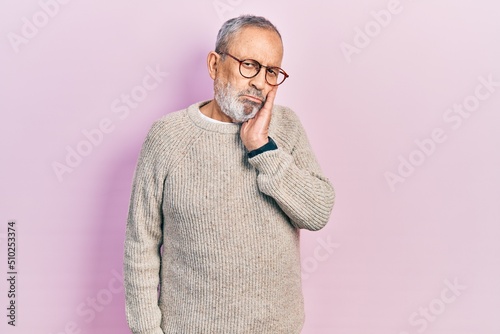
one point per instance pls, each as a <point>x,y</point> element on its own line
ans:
<point>252,98</point>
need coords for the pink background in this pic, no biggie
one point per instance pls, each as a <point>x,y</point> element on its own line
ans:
<point>385,261</point>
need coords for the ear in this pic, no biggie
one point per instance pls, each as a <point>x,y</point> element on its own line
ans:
<point>213,60</point>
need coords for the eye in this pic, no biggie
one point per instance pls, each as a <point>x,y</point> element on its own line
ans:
<point>273,71</point>
<point>249,64</point>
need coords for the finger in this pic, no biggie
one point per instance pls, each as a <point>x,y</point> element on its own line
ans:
<point>270,98</point>
<point>266,110</point>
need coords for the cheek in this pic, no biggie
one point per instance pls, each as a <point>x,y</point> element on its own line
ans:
<point>235,79</point>
<point>239,83</point>
<point>224,77</point>
<point>221,75</point>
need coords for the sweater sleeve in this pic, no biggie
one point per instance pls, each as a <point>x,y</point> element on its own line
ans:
<point>295,181</point>
<point>144,238</point>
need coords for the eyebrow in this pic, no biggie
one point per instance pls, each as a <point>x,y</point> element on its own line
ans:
<point>251,58</point>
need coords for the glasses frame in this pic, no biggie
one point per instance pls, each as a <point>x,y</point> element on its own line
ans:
<point>258,71</point>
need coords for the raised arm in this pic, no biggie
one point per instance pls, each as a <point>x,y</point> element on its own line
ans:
<point>291,175</point>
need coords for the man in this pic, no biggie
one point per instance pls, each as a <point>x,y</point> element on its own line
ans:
<point>225,186</point>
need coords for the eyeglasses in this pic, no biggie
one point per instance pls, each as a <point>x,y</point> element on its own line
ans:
<point>249,68</point>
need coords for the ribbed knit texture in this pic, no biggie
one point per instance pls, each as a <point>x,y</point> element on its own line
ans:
<point>229,227</point>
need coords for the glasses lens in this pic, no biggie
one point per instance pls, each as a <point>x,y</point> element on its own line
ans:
<point>275,76</point>
<point>249,68</point>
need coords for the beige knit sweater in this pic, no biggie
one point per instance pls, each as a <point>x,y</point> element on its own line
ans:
<point>229,227</point>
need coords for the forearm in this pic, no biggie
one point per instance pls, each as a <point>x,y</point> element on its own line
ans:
<point>142,264</point>
<point>141,279</point>
<point>304,195</point>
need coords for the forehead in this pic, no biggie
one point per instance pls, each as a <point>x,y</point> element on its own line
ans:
<point>263,45</point>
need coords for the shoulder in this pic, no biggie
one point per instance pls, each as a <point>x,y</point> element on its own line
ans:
<point>173,128</point>
<point>284,116</point>
<point>170,123</point>
<point>169,135</point>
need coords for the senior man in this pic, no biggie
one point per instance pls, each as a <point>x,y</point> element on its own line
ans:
<point>225,187</point>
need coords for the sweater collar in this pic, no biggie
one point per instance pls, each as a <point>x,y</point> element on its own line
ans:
<point>194,114</point>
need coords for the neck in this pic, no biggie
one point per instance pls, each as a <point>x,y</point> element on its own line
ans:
<point>212,110</point>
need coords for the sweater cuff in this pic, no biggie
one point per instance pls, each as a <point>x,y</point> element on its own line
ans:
<point>272,163</point>
<point>269,146</point>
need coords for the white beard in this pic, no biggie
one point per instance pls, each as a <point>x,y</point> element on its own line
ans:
<point>228,100</point>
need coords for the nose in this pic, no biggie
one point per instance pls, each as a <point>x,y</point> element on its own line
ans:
<point>259,81</point>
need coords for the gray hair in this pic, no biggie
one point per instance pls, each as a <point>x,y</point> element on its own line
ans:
<point>232,26</point>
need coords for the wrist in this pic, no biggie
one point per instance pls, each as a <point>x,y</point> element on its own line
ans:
<point>269,146</point>
<point>255,144</point>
